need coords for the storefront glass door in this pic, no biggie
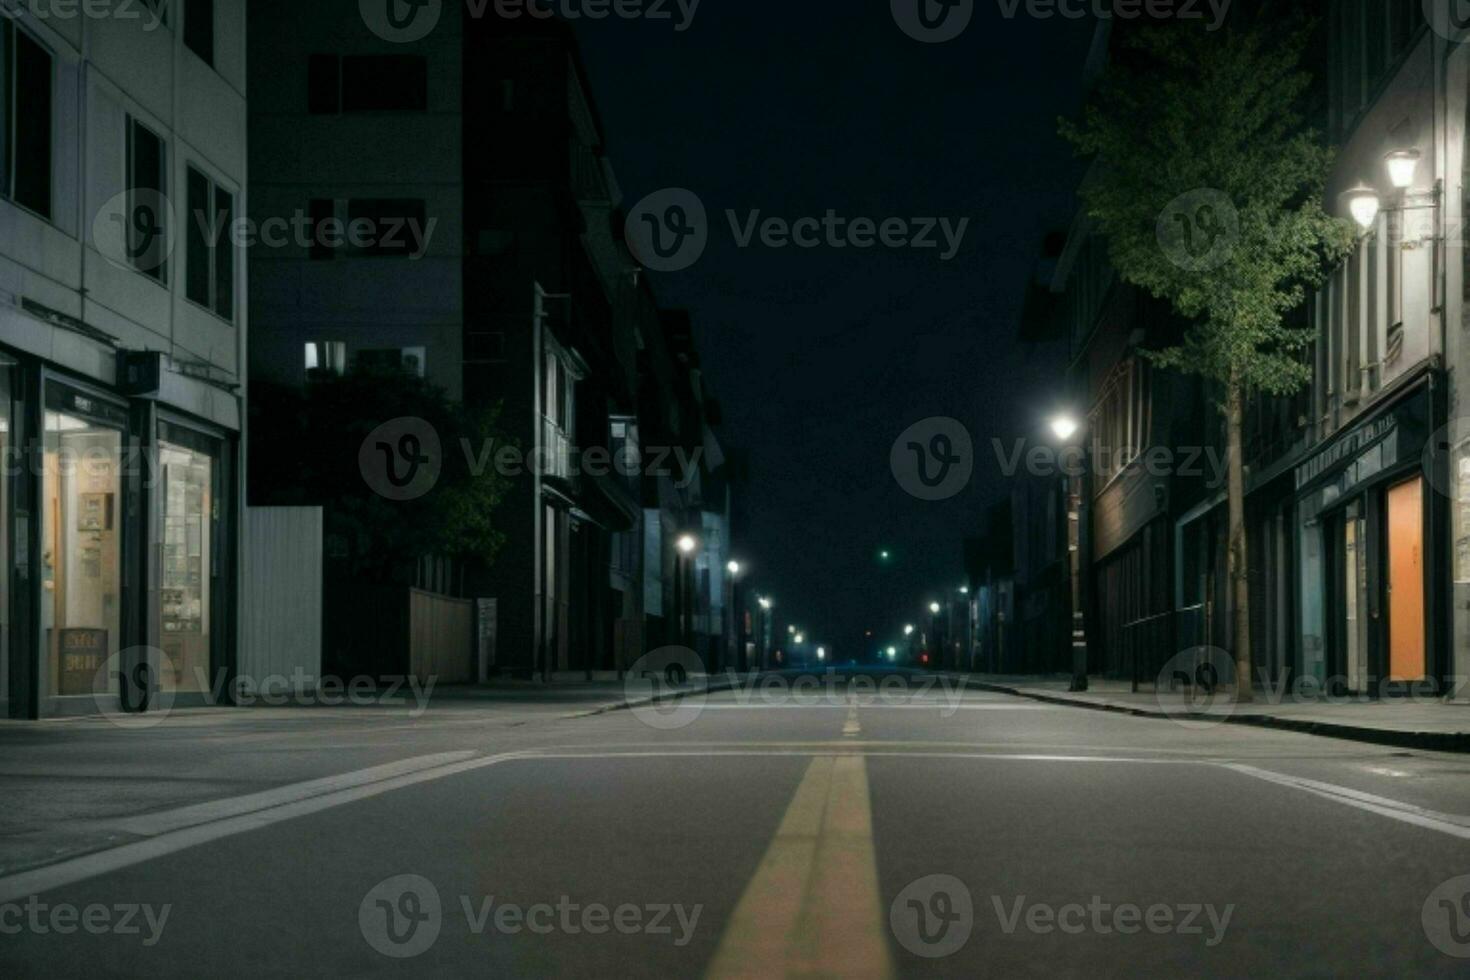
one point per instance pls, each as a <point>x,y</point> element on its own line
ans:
<point>1355,597</point>
<point>1406,581</point>
<point>186,511</point>
<point>81,544</point>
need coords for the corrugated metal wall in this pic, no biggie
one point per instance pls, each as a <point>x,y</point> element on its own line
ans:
<point>281,603</point>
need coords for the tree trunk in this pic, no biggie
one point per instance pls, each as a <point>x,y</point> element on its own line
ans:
<point>1238,568</point>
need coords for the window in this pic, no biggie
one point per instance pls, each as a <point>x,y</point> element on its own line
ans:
<point>210,276</point>
<point>199,28</point>
<point>1120,421</point>
<point>327,356</point>
<point>367,83</point>
<point>26,106</point>
<point>386,227</point>
<point>147,229</point>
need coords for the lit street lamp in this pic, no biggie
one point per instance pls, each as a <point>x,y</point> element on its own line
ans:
<point>686,545</point>
<point>1066,429</point>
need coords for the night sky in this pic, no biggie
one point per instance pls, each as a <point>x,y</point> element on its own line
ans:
<point>820,358</point>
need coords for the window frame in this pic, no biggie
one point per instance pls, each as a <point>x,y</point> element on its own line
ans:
<point>224,244</point>
<point>10,33</point>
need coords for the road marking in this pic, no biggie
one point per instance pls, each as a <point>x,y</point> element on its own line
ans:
<point>879,706</point>
<point>63,873</point>
<point>850,727</point>
<point>1445,823</point>
<point>813,906</point>
<point>153,824</point>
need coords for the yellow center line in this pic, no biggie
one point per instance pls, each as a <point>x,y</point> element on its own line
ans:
<point>813,907</point>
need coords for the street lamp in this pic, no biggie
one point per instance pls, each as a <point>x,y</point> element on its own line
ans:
<point>686,544</point>
<point>934,608</point>
<point>1068,429</point>
<point>733,568</point>
<point>762,635</point>
<point>908,630</point>
<point>735,618</point>
<point>821,653</point>
<point>799,639</point>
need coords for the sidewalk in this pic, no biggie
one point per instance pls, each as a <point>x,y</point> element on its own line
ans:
<point>1437,725</point>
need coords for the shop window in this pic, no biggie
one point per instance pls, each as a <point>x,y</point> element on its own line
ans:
<point>26,107</point>
<point>81,543</point>
<point>147,225</point>
<point>210,273</point>
<point>199,29</point>
<point>184,520</point>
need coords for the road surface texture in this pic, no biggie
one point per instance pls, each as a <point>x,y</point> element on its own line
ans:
<point>862,826</point>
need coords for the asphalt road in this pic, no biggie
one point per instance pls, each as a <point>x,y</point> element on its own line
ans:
<point>907,830</point>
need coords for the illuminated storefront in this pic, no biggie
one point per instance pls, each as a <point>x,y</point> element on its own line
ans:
<point>116,524</point>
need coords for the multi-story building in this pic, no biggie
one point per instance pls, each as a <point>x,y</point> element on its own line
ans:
<point>122,349</point>
<point>512,288</point>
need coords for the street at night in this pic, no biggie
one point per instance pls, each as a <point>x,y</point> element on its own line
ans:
<point>699,488</point>
<point>862,827</point>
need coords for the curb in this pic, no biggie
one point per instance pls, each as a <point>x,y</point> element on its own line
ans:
<point>627,705</point>
<point>1427,741</point>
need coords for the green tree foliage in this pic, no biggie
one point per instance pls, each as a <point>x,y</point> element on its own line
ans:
<point>304,448</point>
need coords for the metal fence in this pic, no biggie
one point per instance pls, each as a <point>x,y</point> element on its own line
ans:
<point>1150,643</point>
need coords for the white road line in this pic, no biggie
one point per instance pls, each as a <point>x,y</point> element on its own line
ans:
<point>938,706</point>
<point>1445,823</point>
<point>153,824</point>
<point>63,873</point>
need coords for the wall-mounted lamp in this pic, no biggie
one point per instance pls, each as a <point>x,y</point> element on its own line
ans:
<point>1363,204</point>
<point>1402,165</point>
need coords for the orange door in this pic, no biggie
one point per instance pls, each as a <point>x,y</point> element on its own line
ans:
<point>1406,581</point>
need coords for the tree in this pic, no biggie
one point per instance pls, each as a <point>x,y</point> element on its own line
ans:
<point>1207,185</point>
<point>304,449</point>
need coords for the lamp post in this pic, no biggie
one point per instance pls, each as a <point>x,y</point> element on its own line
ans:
<point>763,637</point>
<point>735,618</point>
<point>685,547</point>
<point>1066,429</point>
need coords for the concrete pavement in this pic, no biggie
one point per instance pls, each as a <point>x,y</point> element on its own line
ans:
<point>903,831</point>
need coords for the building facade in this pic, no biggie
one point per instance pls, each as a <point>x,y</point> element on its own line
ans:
<point>122,352</point>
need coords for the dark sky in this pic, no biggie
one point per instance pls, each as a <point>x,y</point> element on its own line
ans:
<point>821,358</point>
